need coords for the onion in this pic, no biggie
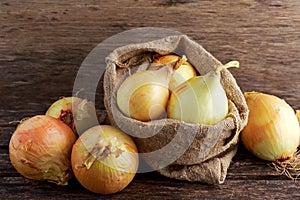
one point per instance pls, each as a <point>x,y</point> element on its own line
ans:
<point>104,159</point>
<point>77,113</point>
<point>201,99</point>
<point>183,70</point>
<point>145,94</point>
<point>272,132</point>
<point>40,149</point>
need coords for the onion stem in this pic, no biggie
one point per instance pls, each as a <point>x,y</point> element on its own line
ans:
<point>97,153</point>
<point>227,65</point>
<point>179,62</point>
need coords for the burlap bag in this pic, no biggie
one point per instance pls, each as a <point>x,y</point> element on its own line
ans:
<point>205,151</point>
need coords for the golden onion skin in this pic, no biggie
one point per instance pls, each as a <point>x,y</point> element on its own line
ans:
<point>144,95</point>
<point>62,109</point>
<point>104,159</point>
<point>148,102</point>
<point>298,115</point>
<point>183,70</point>
<point>166,59</point>
<point>79,114</point>
<point>40,149</point>
<point>272,132</point>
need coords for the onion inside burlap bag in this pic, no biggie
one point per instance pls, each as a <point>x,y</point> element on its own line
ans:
<point>185,151</point>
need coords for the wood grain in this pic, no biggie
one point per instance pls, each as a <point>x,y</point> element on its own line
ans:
<point>43,43</point>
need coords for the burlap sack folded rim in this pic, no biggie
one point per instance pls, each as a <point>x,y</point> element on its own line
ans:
<point>222,143</point>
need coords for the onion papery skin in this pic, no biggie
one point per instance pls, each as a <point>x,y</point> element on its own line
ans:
<point>272,132</point>
<point>298,115</point>
<point>104,159</point>
<point>40,149</point>
<point>183,70</point>
<point>62,109</point>
<point>79,114</point>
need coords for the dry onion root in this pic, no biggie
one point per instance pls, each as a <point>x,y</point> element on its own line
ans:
<point>289,168</point>
<point>273,133</point>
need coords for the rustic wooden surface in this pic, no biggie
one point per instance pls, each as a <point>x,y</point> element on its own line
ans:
<point>43,43</point>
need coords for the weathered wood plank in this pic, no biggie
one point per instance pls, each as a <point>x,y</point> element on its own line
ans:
<point>265,44</point>
<point>155,187</point>
<point>43,43</point>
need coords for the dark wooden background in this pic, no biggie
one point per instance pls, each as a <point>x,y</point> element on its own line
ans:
<point>43,43</point>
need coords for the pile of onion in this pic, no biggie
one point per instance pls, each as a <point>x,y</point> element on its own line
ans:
<point>171,88</point>
<point>105,160</point>
<point>47,148</point>
<point>144,95</point>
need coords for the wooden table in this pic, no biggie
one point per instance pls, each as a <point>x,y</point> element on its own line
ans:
<point>43,43</point>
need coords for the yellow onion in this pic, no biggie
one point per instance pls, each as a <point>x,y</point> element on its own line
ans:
<point>79,114</point>
<point>144,95</point>
<point>104,159</point>
<point>201,99</point>
<point>183,70</point>
<point>40,149</point>
<point>272,132</point>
